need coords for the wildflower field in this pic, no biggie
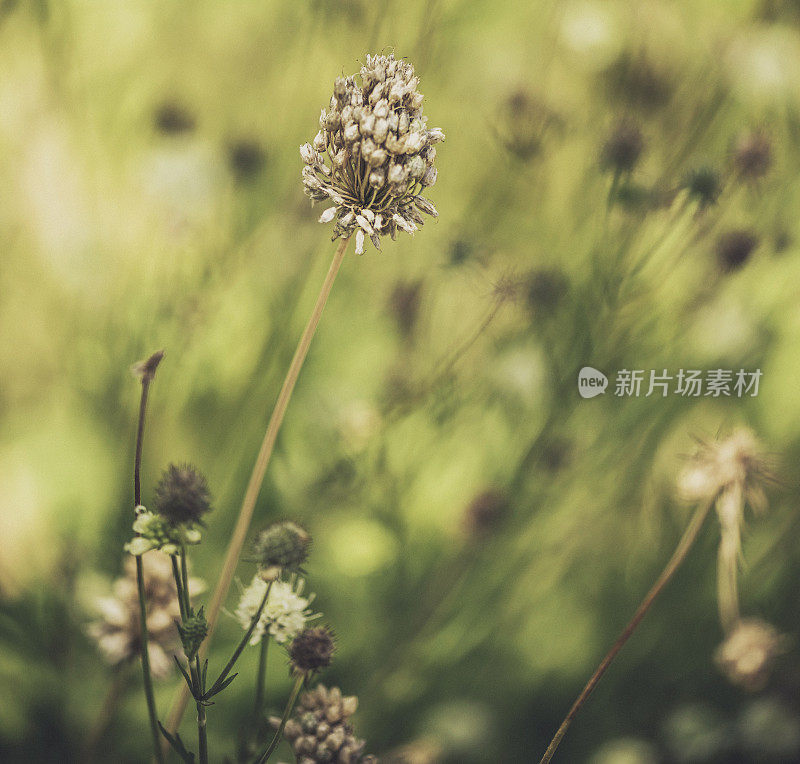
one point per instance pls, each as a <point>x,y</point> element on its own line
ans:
<point>399,361</point>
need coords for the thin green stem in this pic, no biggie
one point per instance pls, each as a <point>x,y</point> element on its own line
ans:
<point>202,736</point>
<point>187,604</point>
<point>149,368</point>
<point>176,573</point>
<point>285,718</point>
<point>243,642</point>
<point>678,556</point>
<point>261,677</point>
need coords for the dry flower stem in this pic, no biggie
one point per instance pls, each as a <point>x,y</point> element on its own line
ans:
<point>259,470</point>
<point>137,498</point>
<point>679,555</point>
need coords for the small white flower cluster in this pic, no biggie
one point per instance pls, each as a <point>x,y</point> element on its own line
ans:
<point>156,532</point>
<point>285,614</point>
<point>380,154</point>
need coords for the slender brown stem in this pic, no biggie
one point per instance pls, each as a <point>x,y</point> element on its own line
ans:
<point>259,470</point>
<point>147,371</point>
<point>678,556</point>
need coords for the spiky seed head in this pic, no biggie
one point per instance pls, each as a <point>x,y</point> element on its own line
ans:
<point>734,248</point>
<point>623,147</point>
<point>281,546</point>
<point>373,154</point>
<point>312,650</point>
<point>182,495</point>
<point>704,184</point>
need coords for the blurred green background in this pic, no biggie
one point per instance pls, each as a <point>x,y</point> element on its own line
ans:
<point>150,198</point>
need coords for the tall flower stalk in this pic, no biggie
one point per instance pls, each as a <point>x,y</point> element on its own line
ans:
<point>687,541</point>
<point>371,158</point>
<point>723,475</point>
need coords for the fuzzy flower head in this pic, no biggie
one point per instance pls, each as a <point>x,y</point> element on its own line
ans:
<point>736,460</point>
<point>285,614</point>
<point>374,154</point>
<point>156,532</point>
<point>311,650</point>
<point>281,546</point>
<point>117,632</point>
<point>182,495</point>
<point>320,729</point>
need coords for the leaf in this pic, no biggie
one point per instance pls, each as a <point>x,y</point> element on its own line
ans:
<point>219,688</point>
<point>177,745</point>
<point>186,677</point>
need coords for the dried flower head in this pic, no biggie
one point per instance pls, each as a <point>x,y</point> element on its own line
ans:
<point>730,472</point>
<point>182,495</point>
<point>285,614</point>
<point>747,655</point>
<point>752,154</point>
<point>623,147</point>
<point>311,650</point>
<point>320,729</point>
<point>373,154</point>
<point>281,546</point>
<point>734,249</point>
<point>117,631</point>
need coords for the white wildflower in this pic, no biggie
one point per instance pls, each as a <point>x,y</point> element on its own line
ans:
<point>285,614</point>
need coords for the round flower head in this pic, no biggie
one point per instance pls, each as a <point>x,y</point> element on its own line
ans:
<point>623,147</point>
<point>311,650</point>
<point>281,546</point>
<point>182,495</point>
<point>374,154</point>
<point>285,614</point>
